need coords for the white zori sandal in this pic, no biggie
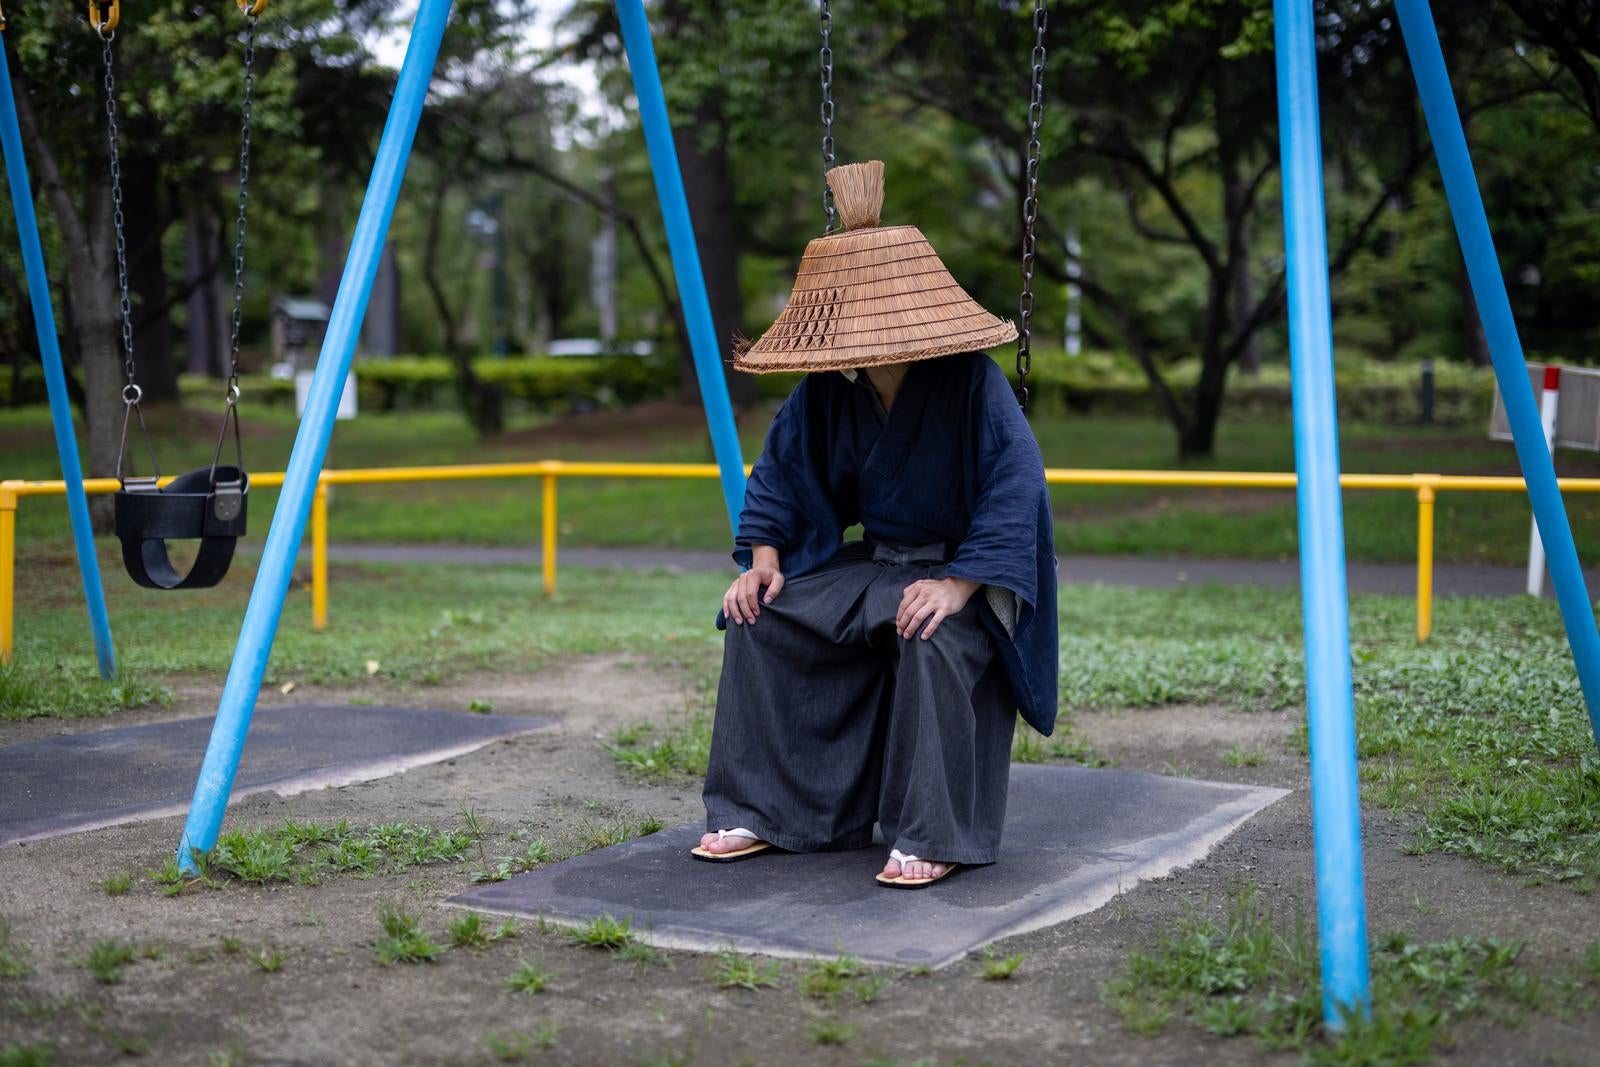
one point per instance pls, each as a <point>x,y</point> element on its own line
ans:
<point>903,882</point>
<point>755,846</point>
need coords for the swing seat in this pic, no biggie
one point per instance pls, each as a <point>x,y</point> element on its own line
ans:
<point>207,505</point>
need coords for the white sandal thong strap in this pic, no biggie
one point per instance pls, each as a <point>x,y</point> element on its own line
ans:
<point>903,858</point>
<point>737,831</point>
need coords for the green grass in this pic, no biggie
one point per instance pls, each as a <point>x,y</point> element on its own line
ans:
<point>1247,972</point>
<point>519,1046</point>
<point>826,979</point>
<point>307,853</point>
<point>826,1031</point>
<point>268,957</point>
<point>107,960</point>
<point>733,971</point>
<point>993,968</point>
<point>31,1055</point>
<point>36,690</point>
<point>117,884</point>
<point>1480,734</point>
<point>528,978</point>
<point>1241,756</point>
<point>679,749</point>
<point>14,955</point>
<point>604,931</point>
<point>1147,521</point>
<point>403,940</point>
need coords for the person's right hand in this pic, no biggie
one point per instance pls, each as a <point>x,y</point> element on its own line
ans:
<point>742,602</point>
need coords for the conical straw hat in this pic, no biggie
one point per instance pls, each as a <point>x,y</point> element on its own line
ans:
<point>870,295</point>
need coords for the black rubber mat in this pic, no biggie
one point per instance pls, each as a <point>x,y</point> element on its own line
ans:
<point>62,785</point>
<point>1073,838</point>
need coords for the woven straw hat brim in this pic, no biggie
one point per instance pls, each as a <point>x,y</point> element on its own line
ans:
<point>870,297</point>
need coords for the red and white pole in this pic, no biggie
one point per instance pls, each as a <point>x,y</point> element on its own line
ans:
<point>1548,401</point>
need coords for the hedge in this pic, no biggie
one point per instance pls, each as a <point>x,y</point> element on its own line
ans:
<point>1099,382</point>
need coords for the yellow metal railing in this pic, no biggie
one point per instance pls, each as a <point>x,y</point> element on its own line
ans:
<point>1425,487</point>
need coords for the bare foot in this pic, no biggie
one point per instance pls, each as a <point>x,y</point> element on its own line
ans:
<point>915,869</point>
<point>726,842</point>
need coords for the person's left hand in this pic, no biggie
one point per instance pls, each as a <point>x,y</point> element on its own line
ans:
<point>931,601</point>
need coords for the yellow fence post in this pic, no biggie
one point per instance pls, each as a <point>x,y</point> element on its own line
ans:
<point>549,538</point>
<point>1425,497</point>
<point>8,566</point>
<point>319,556</point>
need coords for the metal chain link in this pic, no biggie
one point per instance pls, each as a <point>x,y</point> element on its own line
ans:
<point>244,203</point>
<point>1030,204</point>
<point>130,392</point>
<point>825,56</point>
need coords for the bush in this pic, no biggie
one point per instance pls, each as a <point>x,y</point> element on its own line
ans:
<point>542,383</point>
<point>1368,391</point>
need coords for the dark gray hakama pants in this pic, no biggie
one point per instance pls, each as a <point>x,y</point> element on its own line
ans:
<point>828,721</point>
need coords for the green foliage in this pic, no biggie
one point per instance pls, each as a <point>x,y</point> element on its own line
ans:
<point>541,383</point>
<point>604,932</point>
<point>826,1031</point>
<point>403,940</point>
<point>268,958</point>
<point>1249,973</point>
<point>32,1055</point>
<point>117,884</point>
<point>999,969</point>
<point>108,959</point>
<point>528,978</point>
<point>14,955</point>
<point>518,1046</point>
<point>733,971</point>
<point>306,853</point>
<point>470,931</point>
<point>33,690</point>
<point>681,751</point>
<point>828,978</point>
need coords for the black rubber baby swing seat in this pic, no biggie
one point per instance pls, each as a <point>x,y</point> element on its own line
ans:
<point>207,505</point>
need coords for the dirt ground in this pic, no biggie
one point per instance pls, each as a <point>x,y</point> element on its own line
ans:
<point>332,1003</point>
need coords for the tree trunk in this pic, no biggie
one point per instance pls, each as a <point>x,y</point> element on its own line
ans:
<point>1240,301</point>
<point>91,285</point>
<point>147,279</point>
<point>483,402</point>
<point>1472,336</point>
<point>1198,437</point>
<point>703,157</point>
<point>205,337</point>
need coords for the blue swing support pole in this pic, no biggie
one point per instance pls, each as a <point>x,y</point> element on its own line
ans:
<point>1505,348</point>
<point>1330,710</point>
<point>260,626</point>
<point>55,380</point>
<point>685,254</point>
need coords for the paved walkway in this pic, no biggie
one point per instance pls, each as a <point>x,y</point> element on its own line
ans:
<point>1449,579</point>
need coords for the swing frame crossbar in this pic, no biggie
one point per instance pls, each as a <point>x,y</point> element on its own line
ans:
<point>1341,906</point>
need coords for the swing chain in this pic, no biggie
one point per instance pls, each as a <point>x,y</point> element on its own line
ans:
<point>825,56</point>
<point>244,203</point>
<point>131,393</point>
<point>1030,203</point>
<point>124,305</point>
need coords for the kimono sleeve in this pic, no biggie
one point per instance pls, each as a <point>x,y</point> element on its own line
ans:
<point>1001,548</point>
<point>786,500</point>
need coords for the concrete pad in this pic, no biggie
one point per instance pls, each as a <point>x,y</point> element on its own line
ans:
<point>1074,837</point>
<point>76,782</point>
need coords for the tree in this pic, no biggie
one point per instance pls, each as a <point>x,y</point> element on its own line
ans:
<point>179,71</point>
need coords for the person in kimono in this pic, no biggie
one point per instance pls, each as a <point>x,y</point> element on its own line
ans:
<point>877,681</point>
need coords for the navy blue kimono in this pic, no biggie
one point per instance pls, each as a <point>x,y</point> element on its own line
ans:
<point>954,461</point>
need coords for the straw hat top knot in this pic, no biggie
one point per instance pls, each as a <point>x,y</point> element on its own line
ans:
<point>869,295</point>
<point>857,193</point>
